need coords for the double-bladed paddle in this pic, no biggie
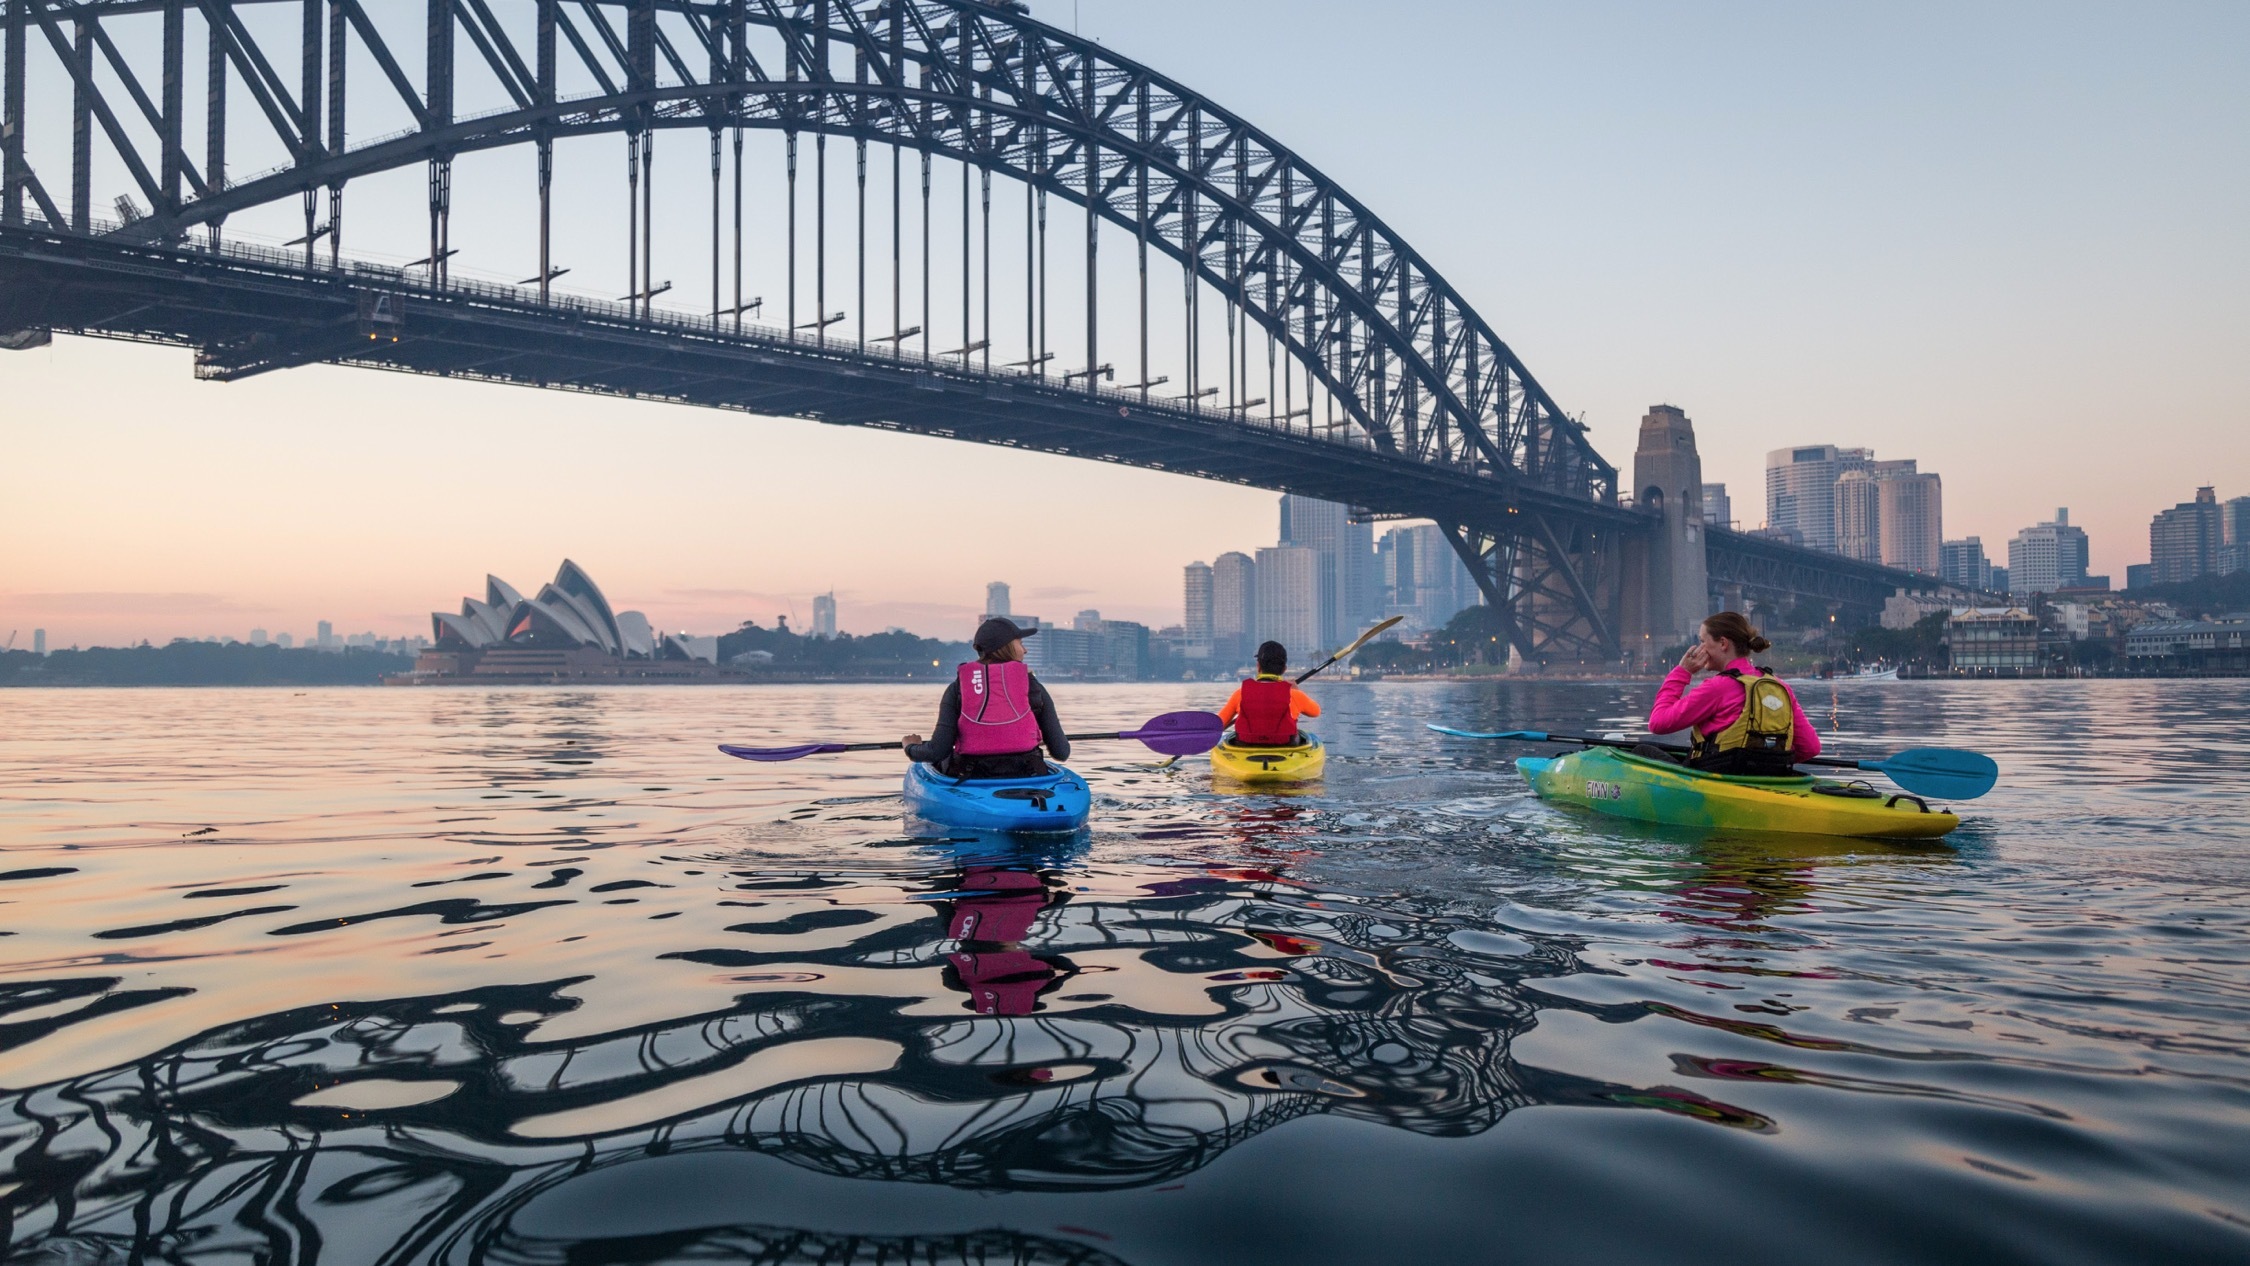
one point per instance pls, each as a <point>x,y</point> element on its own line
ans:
<point>1362,640</point>
<point>1173,734</point>
<point>1946,773</point>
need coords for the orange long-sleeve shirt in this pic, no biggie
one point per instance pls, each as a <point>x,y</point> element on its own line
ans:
<point>1300,704</point>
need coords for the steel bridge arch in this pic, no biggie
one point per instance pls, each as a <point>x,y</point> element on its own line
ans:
<point>1419,373</point>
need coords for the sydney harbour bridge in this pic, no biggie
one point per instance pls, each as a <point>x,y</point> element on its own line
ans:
<point>1221,309</point>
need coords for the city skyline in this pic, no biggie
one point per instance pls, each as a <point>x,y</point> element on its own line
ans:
<point>1787,289</point>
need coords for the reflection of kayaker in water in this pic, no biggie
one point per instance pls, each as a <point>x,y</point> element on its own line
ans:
<point>994,717</point>
<point>990,922</point>
<point>1265,709</point>
<point>1745,721</point>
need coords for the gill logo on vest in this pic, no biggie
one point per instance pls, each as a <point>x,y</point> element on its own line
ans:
<point>976,681</point>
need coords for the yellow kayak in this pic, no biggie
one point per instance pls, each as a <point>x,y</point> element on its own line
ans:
<point>1623,785</point>
<point>1244,763</point>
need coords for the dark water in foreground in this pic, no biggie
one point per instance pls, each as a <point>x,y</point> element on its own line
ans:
<point>539,977</point>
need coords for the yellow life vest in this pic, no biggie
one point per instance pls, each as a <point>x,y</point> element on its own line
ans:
<point>1767,726</point>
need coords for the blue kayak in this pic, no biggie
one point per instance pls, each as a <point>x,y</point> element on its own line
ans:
<point>1057,803</point>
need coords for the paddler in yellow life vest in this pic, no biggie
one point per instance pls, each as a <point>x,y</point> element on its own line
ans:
<point>1743,719</point>
<point>1265,709</point>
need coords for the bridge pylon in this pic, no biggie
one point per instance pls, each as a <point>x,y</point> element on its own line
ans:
<point>1667,584</point>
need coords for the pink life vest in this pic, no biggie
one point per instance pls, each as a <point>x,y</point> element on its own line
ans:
<point>996,718</point>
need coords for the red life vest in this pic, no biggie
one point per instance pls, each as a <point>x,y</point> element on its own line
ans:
<point>996,718</point>
<point>1266,718</point>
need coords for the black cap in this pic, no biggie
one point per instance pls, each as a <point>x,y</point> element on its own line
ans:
<point>998,632</point>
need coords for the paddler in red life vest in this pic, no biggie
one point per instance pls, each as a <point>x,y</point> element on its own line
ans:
<point>1264,710</point>
<point>1744,720</point>
<point>995,715</point>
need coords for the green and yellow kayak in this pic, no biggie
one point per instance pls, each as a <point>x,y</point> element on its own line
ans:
<point>1623,785</point>
<point>1303,762</point>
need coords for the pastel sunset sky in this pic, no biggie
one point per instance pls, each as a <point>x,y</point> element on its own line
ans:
<point>2006,239</point>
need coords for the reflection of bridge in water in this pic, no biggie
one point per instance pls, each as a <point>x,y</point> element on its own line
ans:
<point>1104,1044</point>
<point>1379,386</point>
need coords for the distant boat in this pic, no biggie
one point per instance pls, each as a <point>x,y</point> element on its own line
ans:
<point>1870,674</point>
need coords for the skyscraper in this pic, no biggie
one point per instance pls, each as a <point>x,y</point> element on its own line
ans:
<point>1801,490</point>
<point>996,599</point>
<point>1859,516</point>
<point>1295,590</point>
<point>1197,605</point>
<point>1718,511</point>
<point>1912,518</point>
<point>2184,541</point>
<point>327,636</point>
<point>39,641</point>
<point>824,614</point>
<point>1348,555</point>
<point>2234,527</point>
<point>1234,607</point>
<point>1963,563</point>
<point>2048,557</point>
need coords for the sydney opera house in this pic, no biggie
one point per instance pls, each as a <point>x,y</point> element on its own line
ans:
<point>567,632</point>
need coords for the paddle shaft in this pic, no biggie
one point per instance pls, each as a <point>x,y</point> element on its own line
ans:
<point>1362,640</point>
<point>1833,762</point>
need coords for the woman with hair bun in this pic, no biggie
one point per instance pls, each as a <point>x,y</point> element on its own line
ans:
<point>1744,720</point>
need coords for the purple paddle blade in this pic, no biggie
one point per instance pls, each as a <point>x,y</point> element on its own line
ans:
<point>780,753</point>
<point>1180,733</point>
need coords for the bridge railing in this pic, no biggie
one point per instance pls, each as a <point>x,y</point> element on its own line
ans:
<point>293,260</point>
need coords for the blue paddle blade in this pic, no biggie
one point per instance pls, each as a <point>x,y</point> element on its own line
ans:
<point>1947,773</point>
<point>1180,733</point>
<point>780,753</point>
<point>1521,736</point>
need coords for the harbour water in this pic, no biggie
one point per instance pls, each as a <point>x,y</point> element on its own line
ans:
<point>538,976</point>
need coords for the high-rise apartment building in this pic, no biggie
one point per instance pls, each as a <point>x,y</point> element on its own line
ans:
<point>2184,541</point>
<point>1197,606</point>
<point>258,637</point>
<point>39,641</point>
<point>1911,517</point>
<point>1859,516</point>
<point>1963,563</point>
<point>824,615</point>
<point>2234,520</point>
<point>1422,577</point>
<point>1296,592</point>
<point>1234,607</point>
<point>1801,491</point>
<point>1348,555</point>
<point>285,641</point>
<point>2048,556</point>
<point>1718,511</point>
<point>996,601</point>
<point>327,637</point>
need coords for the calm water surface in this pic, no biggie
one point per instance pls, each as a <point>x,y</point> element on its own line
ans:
<point>537,976</point>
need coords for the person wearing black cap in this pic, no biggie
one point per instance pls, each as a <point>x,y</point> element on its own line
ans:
<point>995,716</point>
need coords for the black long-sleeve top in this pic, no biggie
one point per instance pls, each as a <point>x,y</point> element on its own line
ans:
<point>948,729</point>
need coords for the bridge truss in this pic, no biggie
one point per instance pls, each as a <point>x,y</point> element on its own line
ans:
<point>1367,348</point>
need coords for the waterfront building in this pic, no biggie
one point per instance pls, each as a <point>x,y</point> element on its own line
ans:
<point>39,642</point>
<point>1912,517</point>
<point>1992,639</point>
<point>1859,515</point>
<point>2210,645</point>
<point>2048,556</point>
<point>1234,608</point>
<point>1718,510</point>
<point>1196,628</point>
<point>996,600</point>
<point>1801,491</point>
<point>2184,541</point>
<point>824,615</point>
<point>1963,563</point>
<point>1295,593</point>
<point>567,632</point>
<point>1347,551</point>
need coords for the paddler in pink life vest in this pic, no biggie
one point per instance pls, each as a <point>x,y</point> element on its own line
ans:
<point>1265,709</point>
<point>995,715</point>
<point>1743,720</point>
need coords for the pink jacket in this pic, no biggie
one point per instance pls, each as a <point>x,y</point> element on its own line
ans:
<point>1715,703</point>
